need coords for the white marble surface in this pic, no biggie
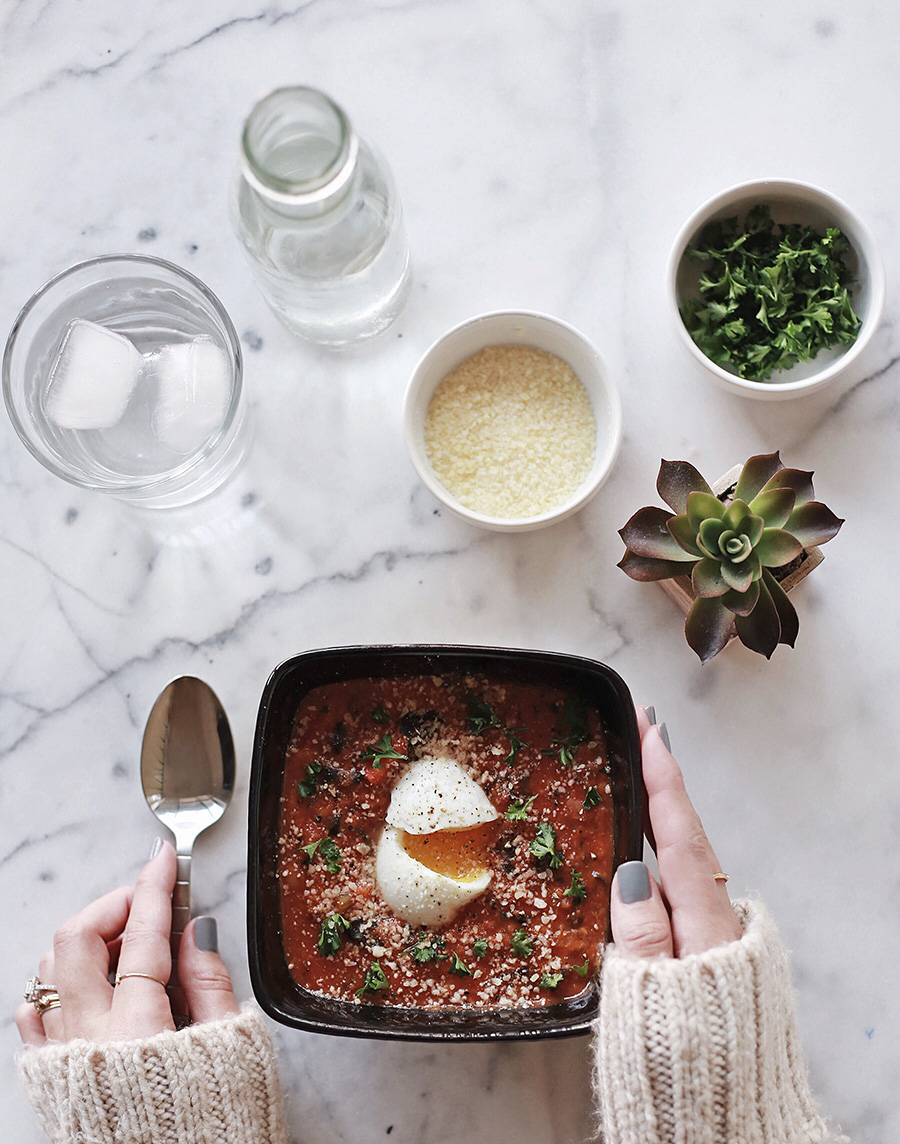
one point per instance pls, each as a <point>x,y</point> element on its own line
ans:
<point>547,153</point>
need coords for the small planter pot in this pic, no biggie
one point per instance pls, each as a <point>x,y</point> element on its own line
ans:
<point>681,590</point>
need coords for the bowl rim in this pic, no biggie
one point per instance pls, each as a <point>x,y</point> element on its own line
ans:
<point>866,250</point>
<point>340,1018</point>
<point>412,430</point>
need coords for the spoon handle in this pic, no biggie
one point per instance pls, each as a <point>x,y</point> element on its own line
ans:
<point>181,915</point>
<point>181,897</point>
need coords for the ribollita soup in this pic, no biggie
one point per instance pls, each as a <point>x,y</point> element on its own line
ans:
<point>445,842</point>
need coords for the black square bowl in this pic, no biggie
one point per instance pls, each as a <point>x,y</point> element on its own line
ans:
<point>276,991</point>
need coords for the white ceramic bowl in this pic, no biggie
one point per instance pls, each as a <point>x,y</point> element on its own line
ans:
<point>511,327</point>
<point>797,202</point>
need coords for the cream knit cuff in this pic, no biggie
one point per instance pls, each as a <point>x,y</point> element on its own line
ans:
<point>705,1050</point>
<point>212,1083</point>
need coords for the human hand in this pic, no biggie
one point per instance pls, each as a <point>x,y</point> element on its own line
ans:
<point>127,930</point>
<point>689,912</point>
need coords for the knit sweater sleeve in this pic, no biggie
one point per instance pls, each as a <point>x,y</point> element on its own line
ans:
<point>705,1049</point>
<point>212,1083</point>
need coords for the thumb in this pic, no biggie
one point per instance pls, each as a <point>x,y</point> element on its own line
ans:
<point>202,973</point>
<point>638,914</point>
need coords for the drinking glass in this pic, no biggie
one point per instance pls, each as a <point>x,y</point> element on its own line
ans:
<point>155,304</point>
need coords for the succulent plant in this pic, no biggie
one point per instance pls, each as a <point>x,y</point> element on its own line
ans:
<point>731,547</point>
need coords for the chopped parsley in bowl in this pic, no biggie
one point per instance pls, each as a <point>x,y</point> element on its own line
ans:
<point>777,288</point>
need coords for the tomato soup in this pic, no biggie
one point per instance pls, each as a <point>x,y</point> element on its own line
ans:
<point>517,900</point>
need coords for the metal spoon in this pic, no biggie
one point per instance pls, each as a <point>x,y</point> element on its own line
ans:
<point>187,772</point>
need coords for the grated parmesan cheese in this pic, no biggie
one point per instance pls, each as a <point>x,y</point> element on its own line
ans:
<point>510,432</point>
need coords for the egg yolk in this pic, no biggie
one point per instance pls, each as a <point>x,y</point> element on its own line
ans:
<point>457,854</point>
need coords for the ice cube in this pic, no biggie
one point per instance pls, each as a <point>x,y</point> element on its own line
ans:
<point>193,390</point>
<point>93,377</point>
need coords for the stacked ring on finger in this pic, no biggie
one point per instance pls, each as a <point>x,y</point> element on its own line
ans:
<point>42,997</point>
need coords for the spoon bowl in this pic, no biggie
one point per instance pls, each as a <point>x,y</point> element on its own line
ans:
<point>187,773</point>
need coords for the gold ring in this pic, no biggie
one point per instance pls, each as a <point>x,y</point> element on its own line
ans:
<point>720,877</point>
<point>149,976</point>
<point>42,997</point>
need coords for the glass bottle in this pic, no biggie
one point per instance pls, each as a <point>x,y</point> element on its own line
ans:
<point>319,216</point>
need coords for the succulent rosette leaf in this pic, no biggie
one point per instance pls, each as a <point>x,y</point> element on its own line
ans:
<point>729,547</point>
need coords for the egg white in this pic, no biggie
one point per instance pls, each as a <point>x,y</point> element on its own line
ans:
<point>418,895</point>
<point>437,794</point>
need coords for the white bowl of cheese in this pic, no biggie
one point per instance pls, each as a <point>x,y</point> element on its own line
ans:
<point>512,420</point>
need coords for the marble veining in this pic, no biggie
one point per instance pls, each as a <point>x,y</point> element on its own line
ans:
<point>546,156</point>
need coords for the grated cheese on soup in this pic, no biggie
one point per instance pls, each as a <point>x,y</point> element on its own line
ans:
<point>533,936</point>
<point>510,432</point>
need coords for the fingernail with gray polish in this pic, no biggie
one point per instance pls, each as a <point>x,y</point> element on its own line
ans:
<point>664,735</point>
<point>634,882</point>
<point>206,934</point>
<point>155,848</point>
<point>651,714</point>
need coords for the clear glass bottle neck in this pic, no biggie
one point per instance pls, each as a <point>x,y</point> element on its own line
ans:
<point>299,151</point>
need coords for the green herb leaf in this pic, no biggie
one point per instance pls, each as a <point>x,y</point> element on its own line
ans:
<point>575,721</point>
<point>330,851</point>
<point>544,845</point>
<point>330,931</point>
<point>515,744</point>
<point>770,295</point>
<point>583,970</point>
<point>518,811</point>
<point>427,947</point>
<point>379,715</point>
<point>383,749</point>
<point>373,981</point>
<point>459,967</point>
<point>522,943</point>
<point>307,786</point>
<point>578,890</point>
<point>550,980</point>
<point>480,947</point>
<point>481,715</point>
<point>591,799</point>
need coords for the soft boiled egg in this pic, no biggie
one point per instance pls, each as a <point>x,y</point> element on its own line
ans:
<point>430,859</point>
